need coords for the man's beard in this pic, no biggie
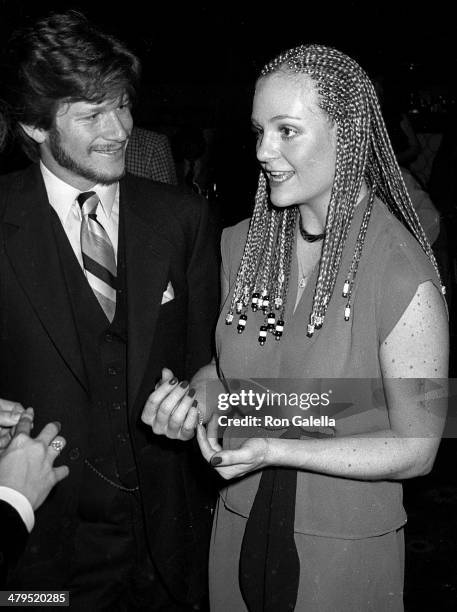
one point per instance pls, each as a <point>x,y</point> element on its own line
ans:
<point>64,159</point>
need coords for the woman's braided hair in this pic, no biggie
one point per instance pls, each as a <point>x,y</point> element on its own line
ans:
<point>363,153</point>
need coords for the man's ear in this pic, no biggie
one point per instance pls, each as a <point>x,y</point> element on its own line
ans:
<point>37,134</point>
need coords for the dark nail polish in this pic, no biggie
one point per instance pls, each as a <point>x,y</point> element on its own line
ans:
<point>191,392</point>
<point>173,381</point>
<point>215,460</point>
<point>184,384</point>
<point>194,404</point>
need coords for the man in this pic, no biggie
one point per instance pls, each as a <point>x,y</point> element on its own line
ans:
<point>27,476</point>
<point>149,155</point>
<point>103,281</point>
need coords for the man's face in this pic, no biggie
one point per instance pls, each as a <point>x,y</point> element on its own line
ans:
<point>87,143</point>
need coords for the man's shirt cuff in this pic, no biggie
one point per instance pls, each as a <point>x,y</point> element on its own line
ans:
<point>21,504</point>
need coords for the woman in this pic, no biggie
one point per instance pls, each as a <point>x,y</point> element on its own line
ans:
<point>312,519</point>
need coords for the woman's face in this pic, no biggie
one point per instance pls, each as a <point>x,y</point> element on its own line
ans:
<point>296,143</point>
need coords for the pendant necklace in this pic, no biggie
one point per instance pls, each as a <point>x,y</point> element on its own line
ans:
<point>307,237</point>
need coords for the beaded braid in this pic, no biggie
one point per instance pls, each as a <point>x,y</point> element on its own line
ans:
<point>363,153</point>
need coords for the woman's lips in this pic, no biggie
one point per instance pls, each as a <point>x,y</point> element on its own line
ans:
<point>278,176</point>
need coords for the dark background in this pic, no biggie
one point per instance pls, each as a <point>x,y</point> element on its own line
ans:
<point>200,61</point>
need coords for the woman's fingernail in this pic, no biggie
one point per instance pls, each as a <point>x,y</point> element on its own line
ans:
<point>173,381</point>
<point>184,384</point>
<point>191,392</point>
<point>200,416</point>
<point>194,404</point>
<point>57,424</point>
<point>215,460</point>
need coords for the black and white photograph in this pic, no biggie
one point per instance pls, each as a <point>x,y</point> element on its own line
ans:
<point>228,298</point>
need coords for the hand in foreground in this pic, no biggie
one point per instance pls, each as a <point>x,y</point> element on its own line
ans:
<point>250,456</point>
<point>27,463</point>
<point>171,409</point>
<point>10,413</point>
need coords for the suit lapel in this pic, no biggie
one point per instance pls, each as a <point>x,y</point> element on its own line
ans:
<point>147,268</point>
<point>31,249</point>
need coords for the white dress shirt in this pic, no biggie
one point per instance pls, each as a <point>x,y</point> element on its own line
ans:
<point>62,198</point>
<point>21,504</point>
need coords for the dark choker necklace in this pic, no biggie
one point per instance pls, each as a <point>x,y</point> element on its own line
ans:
<point>306,236</point>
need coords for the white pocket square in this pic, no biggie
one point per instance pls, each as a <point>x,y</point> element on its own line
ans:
<point>168,294</point>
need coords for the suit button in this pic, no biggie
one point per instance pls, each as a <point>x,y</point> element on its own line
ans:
<point>109,337</point>
<point>116,406</point>
<point>74,453</point>
<point>122,438</point>
<point>112,371</point>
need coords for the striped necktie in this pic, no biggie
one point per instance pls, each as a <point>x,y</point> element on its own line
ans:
<point>98,254</point>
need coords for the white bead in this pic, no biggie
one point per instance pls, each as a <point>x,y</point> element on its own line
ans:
<point>346,289</point>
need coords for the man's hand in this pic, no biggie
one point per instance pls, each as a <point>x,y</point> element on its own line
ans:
<point>9,417</point>
<point>27,464</point>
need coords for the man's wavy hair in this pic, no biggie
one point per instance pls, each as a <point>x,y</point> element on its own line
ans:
<point>62,58</point>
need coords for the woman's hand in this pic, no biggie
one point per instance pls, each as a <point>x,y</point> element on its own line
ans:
<point>251,456</point>
<point>171,409</point>
<point>174,408</point>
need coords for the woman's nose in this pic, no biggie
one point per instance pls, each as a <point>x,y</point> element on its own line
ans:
<point>266,148</point>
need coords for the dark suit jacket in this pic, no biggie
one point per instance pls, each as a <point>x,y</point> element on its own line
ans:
<point>13,538</point>
<point>41,364</point>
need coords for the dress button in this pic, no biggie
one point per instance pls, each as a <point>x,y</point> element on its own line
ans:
<point>74,453</point>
